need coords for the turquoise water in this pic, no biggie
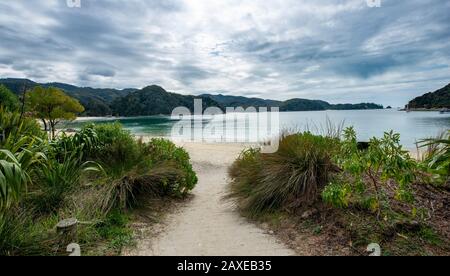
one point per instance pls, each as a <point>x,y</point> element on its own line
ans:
<point>412,126</point>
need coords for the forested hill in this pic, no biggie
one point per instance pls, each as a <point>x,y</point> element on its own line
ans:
<point>154,100</point>
<point>432,100</point>
<point>95,100</point>
<point>289,105</point>
<point>234,101</point>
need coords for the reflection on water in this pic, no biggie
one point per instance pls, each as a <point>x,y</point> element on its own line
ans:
<point>412,126</point>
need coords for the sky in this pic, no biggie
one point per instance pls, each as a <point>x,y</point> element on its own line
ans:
<point>341,51</point>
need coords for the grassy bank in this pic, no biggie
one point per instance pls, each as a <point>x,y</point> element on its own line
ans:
<point>98,176</point>
<point>339,195</point>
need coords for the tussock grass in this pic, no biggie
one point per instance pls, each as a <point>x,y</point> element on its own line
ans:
<point>289,178</point>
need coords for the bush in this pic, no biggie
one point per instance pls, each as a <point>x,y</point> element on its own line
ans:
<point>57,179</point>
<point>165,170</point>
<point>291,177</point>
<point>50,181</point>
<point>164,153</point>
<point>119,152</point>
<point>85,143</point>
<point>8,100</point>
<point>14,127</point>
<point>371,178</point>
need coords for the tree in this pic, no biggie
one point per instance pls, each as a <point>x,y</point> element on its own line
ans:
<point>8,99</point>
<point>51,105</point>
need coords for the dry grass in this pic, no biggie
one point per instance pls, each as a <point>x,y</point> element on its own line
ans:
<point>286,179</point>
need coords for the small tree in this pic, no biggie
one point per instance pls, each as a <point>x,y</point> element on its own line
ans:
<point>7,99</point>
<point>51,105</point>
<point>384,160</point>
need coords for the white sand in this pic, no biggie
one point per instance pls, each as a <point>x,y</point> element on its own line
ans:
<point>208,225</point>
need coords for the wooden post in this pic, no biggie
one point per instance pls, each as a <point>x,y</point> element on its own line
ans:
<point>67,232</point>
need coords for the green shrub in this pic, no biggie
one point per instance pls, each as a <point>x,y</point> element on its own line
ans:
<point>8,100</point>
<point>367,172</point>
<point>13,127</point>
<point>337,194</point>
<point>15,171</point>
<point>291,177</point>
<point>84,142</point>
<point>58,179</point>
<point>166,154</point>
<point>119,152</point>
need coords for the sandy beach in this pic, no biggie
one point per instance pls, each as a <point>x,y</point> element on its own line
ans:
<point>208,225</point>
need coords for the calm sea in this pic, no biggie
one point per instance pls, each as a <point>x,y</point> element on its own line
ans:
<point>412,126</point>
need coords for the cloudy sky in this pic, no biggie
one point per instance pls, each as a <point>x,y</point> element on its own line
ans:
<point>335,50</point>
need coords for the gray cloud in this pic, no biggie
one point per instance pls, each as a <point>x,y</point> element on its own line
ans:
<point>336,50</point>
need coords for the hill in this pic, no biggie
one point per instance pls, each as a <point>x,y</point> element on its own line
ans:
<point>432,100</point>
<point>235,101</point>
<point>289,105</point>
<point>154,100</point>
<point>95,100</point>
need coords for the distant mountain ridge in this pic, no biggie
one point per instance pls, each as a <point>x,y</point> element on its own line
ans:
<point>289,105</point>
<point>432,100</point>
<point>96,101</point>
<point>155,100</point>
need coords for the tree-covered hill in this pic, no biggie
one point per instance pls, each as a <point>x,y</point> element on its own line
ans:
<point>154,100</point>
<point>234,101</point>
<point>96,101</point>
<point>289,105</point>
<point>432,100</point>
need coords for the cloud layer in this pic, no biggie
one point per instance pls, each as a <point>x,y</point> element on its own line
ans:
<point>335,50</point>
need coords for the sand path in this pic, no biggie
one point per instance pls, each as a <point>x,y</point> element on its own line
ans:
<point>208,225</point>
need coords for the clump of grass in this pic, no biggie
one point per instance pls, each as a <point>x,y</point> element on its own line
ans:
<point>289,178</point>
<point>437,157</point>
<point>124,193</point>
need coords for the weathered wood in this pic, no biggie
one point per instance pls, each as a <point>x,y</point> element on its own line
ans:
<point>67,231</point>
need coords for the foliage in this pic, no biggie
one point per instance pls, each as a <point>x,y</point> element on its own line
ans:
<point>115,228</point>
<point>8,100</point>
<point>84,142</point>
<point>43,181</point>
<point>162,151</point>
<point>52,105</point>
<point>118,150</point>
<point>384,161</point>
<point>57,179</point>
<point>13,127</point>
<point>288,178</point>
<point>13,179</point>
<point>20,235</point>
<point>437,157</point>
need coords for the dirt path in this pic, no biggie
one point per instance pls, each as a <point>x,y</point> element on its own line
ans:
<point>208,225</point>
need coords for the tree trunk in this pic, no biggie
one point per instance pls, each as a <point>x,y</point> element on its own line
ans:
<point>53,125</point>
<point>45,125</point>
